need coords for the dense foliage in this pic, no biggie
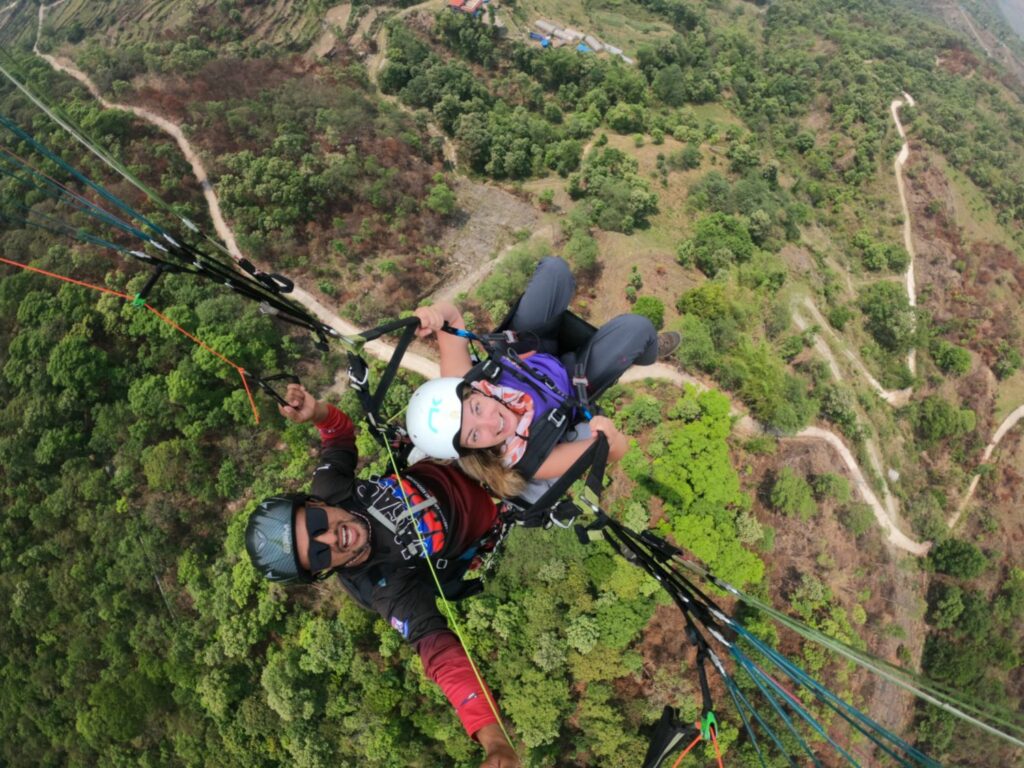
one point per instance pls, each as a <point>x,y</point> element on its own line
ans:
<point>135,632</point>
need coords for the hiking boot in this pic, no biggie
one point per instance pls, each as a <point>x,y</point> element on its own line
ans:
<point>668,342</point>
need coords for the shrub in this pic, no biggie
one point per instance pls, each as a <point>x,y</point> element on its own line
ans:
<point>1008,362</point>
<point>958,558</point>
<point>697,349</point>
<point>652,308</point>
<point>718,240</point>
<point>831,486</point>
<point>643,412</point>
<point>890,318</point>
<point>581,251</point>
<point>791,495</point>
<point>950,358</point>
<point>857,518</point>
<point>934,419</point>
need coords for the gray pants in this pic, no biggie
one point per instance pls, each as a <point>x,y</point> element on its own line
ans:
<point>622,342</point>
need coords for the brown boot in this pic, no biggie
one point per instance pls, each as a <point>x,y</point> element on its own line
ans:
<point>668,342</point>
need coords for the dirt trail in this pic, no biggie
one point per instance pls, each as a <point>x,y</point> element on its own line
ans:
<point>375,63</point>
<point>895,397</point>
<point>335,18</point>
<point>421,364</point>
<point>1008,423</point>
<point>908,239</point>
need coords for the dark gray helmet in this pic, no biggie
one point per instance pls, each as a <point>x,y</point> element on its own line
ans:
<point>270,538</point>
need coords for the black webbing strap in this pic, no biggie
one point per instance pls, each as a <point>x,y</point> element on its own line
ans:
<point>670,735</point>
<point>550,508</point>
<point>498,346</point>
<point>359,371</point>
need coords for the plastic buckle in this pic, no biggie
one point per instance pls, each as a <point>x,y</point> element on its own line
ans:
<point>580,381</point>
<point>511,337</point>
<point>441,564</point>
<point>557,418</point>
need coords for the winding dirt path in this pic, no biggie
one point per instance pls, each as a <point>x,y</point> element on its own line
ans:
<point>908,239</point>
<point>895,397</point>
<point>1008,423</point>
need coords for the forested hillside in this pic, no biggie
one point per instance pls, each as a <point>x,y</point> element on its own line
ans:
<point>739,174</point>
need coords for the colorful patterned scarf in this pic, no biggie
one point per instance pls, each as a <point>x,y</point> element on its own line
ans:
<point>521,404</point>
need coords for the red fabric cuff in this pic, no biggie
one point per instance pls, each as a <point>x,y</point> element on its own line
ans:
<point>446,663</point>
<point>336,429</point>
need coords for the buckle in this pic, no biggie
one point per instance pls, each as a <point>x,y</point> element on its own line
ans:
<point>441,564</point>
<point>580,381</point>
<point>511,337</point>
<point>490,369</point>
<point>558,523</point>
<point>557,417</point>
<point>357,381</point>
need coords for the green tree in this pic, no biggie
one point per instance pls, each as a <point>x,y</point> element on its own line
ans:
<point>946,607</point>
<point>950,358</point>
<point>718,241</point>
<point>441,199</point>
<point>669,85</point>
<point>890,318</point>
<point>958,558</point>
<point>935,419</point>
<point>792,496</point>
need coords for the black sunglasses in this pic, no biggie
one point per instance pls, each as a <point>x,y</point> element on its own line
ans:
<point>319,553</point>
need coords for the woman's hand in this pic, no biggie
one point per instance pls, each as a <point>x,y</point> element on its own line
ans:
<point>433,318</point>
<point>302,406</point>
<point>618,444</point>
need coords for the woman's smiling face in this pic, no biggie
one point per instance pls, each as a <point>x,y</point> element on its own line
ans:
<point>486,422</point>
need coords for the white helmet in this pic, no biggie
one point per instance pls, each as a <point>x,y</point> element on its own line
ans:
<point>434,417</point>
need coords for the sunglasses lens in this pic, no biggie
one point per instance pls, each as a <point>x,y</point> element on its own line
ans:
<point>319,557</point>
<point>316,521</point>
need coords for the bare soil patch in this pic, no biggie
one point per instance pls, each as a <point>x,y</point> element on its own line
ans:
<point>486,221</point>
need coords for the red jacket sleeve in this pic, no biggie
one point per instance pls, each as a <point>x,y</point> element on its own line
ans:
<point>446,664</point>
<point>337,430</point>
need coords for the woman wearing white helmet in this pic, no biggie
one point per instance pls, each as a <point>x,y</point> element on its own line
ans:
<point>486,425</point>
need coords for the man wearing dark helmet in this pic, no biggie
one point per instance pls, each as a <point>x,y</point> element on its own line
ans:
<point>375,535</point>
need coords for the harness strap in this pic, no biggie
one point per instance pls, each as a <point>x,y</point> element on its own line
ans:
<point>359,372</point>
<point>546,511</point>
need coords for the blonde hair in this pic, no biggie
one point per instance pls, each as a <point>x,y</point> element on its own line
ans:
<point>486,467</point>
